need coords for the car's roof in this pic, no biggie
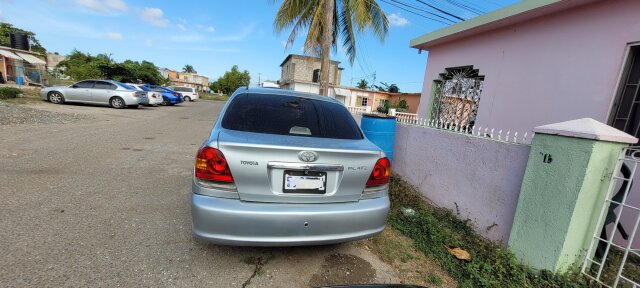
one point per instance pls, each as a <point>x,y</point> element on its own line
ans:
<point>283,92</point>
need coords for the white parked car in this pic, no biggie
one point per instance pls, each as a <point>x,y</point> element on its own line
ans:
<point>188,93</point>
<point>155,98</point>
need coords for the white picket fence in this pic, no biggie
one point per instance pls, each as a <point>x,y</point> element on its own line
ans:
<point>475,131</point>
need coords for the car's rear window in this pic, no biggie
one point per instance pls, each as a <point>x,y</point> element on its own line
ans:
<point>287,115</point>
<point>125,86</point>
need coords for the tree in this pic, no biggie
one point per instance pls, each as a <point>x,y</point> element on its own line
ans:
<point>188,69</point>
<point>6,28</point>
<point>363,84</point>
<point>80,66</point>
<point>384,87</point>
<point>344,17</point>
<point>231,80</point>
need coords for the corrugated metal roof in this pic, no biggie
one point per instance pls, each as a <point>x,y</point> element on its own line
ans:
<point>31,59</point>
<point>9,54</point>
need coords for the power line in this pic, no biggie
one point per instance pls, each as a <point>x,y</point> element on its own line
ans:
<point>429,12</point>
<point>412,12</point>
<point>441,11</point>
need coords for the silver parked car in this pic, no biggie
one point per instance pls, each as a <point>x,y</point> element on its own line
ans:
<point>284,168</point>
<point>101,92</point>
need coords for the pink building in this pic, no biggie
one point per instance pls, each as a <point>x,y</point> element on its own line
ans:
<point>539,62</point>
<point>535,63</point>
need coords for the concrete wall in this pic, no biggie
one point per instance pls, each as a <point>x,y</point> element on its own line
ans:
<point>555,68</point>
<point>300,68</point>
<point>479,178</point>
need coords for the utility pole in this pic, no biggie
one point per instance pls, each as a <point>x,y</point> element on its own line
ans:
<point>325,58</point>
<point>259,74</point>
<point>374,79</point>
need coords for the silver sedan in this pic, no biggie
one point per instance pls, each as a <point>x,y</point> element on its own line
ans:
<point>283,168</point>
<point>100,92</point>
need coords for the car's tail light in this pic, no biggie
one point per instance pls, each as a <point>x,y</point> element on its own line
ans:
<point>175,94</point>
<point>211,165</point>
<point>381,173</point>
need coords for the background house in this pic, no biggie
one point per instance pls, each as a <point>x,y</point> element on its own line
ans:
<point>201,83</point>
<point>302,73</point>
<point>22,67</point>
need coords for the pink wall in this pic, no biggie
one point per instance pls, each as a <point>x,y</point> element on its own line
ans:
<point>555,68</point>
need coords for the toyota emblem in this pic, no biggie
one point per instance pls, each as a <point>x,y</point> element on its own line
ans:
<point>308,156</point>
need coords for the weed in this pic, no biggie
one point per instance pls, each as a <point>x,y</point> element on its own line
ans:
<point>9,92</point>
<point>216,97</point>
<point>434,279</point>
<point>433,228</point>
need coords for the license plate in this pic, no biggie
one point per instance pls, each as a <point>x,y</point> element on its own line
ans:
<point>305,182</point>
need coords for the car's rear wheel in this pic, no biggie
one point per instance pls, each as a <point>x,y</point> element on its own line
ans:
<point>56,97</point>
<point>117,102</point>
<point>187,98</point>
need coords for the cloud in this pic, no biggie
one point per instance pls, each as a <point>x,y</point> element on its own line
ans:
<point>1,16</point>
<point>397,20</point>
<point>115,36</point>
<point>149,43</point>
<point>154,16</point>
<point>181,27</point>
<point>210,29</point>
<point>104,6</point>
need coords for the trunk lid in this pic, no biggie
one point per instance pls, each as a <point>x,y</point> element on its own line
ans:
<point>258,163</point>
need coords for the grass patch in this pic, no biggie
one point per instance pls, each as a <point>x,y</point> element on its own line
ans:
<point>410,264</point>
<point>9,92</point>
<point>434,280</point>
<point>19,96</point>
<point>432,228</point>
<point>215,97</point>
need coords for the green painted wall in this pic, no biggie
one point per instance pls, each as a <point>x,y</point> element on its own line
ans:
<point>589,203</point>
<point>559,199</point>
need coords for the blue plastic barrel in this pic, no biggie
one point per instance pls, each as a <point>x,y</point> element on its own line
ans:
<point>20,80</point>
<point>381,130</point>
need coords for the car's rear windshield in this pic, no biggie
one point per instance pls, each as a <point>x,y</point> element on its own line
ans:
<point>125,86</point>
<point>288,115</point>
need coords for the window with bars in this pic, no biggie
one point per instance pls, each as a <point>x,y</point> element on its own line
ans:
<point>457,96</point>
<point>365,101</point>
<point>626,116</point>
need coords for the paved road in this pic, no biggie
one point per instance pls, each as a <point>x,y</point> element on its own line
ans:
<point>104,201</point>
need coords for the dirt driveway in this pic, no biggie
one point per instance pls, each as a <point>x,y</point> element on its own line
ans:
<point>102,199</point>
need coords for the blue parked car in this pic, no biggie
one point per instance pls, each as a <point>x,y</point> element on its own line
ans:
<point>169,97</point>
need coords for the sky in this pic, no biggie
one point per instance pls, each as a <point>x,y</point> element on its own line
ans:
<point>213,35</point>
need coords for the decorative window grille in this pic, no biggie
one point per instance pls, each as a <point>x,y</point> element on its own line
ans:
<point>365,101</point>
<point>457,97</point>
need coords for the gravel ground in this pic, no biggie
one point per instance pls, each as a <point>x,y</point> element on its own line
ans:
<point>105,202</point>
<point>15,114</point>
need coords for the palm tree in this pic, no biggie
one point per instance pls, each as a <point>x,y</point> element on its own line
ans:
<point>188,69</point>
<point>342,17</point>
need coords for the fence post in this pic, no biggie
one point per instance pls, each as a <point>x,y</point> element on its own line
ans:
<point>392,112</point>
<point>564,186</point>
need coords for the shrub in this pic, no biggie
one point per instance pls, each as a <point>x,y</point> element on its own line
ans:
<point>9,92</point>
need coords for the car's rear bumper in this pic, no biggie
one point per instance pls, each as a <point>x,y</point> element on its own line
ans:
<point>234,222</point>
